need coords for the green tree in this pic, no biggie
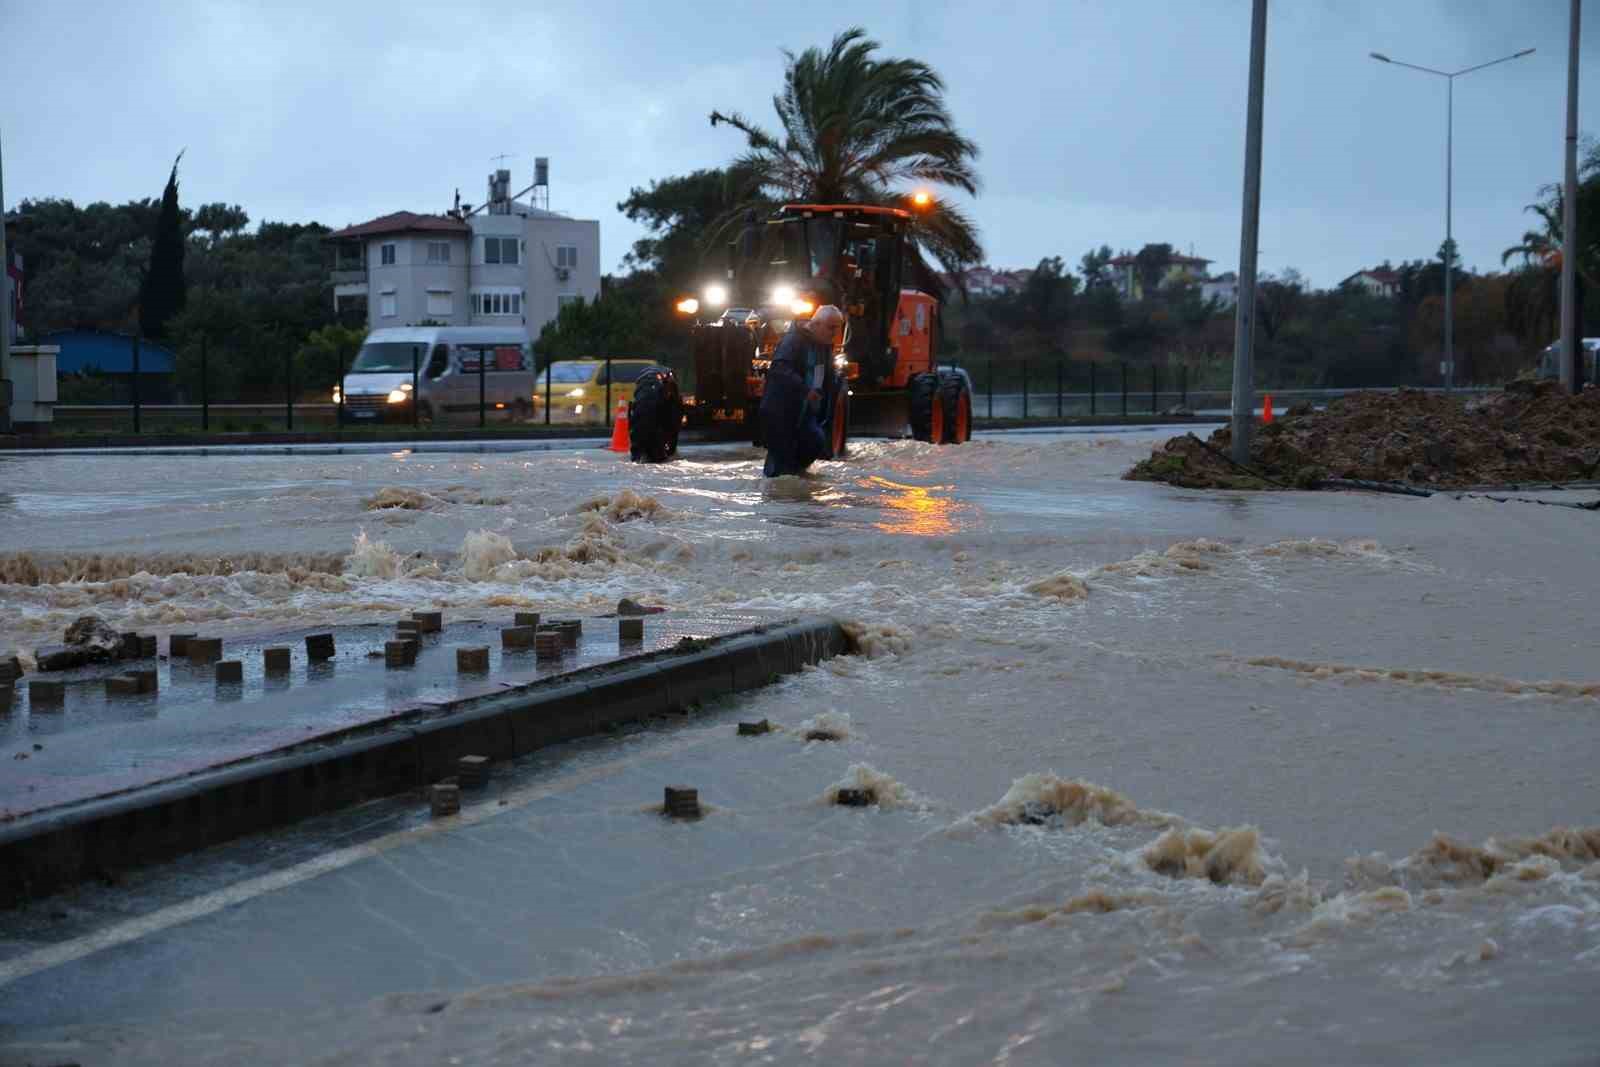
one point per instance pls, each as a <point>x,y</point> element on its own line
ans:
<point>1095,267</point>
<point>606,327</point>
<point>1150,265</point>
<point>161,296</point>
<point>324,352</point>
<point>857,128</point>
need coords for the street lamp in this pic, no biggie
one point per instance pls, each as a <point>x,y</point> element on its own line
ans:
<point>1450,77</point>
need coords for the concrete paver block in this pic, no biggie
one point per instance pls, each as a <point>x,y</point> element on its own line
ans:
<point>754,729</point>
<point>444,799</point>
<point>682,802</point>
<point>230,672</point>
<point>527,618</point>
<point>178,645</point>
<point>205,649</point>
<point>399,653</point>
<point>319,646</point>
<point>473,658</point>
<point>122,685</point>
<point>275,660</point>
<point>43,693</point>
<point>431,622</point>
<point>147,679</point>
<point>517,637</point>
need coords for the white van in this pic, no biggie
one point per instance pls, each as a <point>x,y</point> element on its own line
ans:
<point>378,385</point>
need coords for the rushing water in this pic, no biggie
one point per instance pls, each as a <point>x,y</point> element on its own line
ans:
<point>1160,772</point>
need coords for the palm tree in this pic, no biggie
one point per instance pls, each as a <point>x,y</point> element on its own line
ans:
<point>858,129</point>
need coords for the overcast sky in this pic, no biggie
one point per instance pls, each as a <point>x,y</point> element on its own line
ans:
<point>1100,122</point>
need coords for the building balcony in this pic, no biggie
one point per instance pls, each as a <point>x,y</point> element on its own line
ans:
<point>350,276</point>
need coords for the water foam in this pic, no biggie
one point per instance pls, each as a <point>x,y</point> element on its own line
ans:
<point>624,506</point>
<point>29,569</point>
<point>1064,586</point>
<point>373,559</point>
<point>875,639</point>
<point>1231,856</point>
<point>886,790</point>
<point>1487,683</point>
<point>1038,798</point>
<point>483,552</point>
<point>828,725</point>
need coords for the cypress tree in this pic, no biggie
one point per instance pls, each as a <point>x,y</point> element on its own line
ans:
<point>162,293</point>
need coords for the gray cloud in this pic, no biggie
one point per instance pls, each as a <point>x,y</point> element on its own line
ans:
<point>1099,122</point>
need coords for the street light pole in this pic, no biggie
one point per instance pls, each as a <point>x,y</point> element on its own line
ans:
<point>1571,368</point>
<point>1450,77</point>
<point>1244,312</point>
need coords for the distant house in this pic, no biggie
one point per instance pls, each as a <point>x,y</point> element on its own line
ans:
<point>1224,289</point>
<point>508,262</point>
<point>1179,269</point>
<point>110,356</point>
<point>987,281</point>
<point>1379,281</point>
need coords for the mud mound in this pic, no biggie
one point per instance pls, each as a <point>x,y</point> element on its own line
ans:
<point>1530,432</point>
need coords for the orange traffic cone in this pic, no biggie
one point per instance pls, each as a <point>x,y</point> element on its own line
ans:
<point>619,429</point>
<point>1266,408</point>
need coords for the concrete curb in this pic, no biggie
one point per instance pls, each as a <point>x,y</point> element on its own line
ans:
<point>43,853</point>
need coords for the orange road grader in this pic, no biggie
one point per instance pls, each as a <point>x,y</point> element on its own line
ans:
<point>884,379</point>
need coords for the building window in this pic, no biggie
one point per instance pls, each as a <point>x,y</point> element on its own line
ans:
<point>386,305</point>
<point>497,302</point>
<point>567,256</point>
<point>438,251</point>
<point>386,255</point>
<point>500,250</point>
<point>440,302</point>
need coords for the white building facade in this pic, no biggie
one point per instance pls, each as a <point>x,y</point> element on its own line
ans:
<point>506,263</point>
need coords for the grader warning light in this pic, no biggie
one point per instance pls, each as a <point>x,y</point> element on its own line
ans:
<point>688,306</point>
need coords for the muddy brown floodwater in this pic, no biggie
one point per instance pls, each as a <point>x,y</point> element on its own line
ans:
<point>1163,775</point>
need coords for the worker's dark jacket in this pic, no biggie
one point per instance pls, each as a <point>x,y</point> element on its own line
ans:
<point>794,433</point>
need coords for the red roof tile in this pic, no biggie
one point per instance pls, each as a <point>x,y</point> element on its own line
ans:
<point>402,222</point>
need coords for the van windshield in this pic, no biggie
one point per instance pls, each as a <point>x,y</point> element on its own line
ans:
<point>386,356</point>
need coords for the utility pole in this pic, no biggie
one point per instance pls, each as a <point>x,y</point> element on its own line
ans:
<point>1244,395</point>
<point>1571,368</point>
<point>5,312</point>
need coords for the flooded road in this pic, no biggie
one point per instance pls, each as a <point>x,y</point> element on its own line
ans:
<point>1160,772</point>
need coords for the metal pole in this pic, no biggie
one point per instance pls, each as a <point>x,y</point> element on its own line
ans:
<point>1058,388</point>
<point>205,385</point>
<point>1091,388</point>
<point>1571,369</point>
<point>991,387</point>
<point>1449,243</point>
<point>1124,388</point>
<point>547,377</point>
<point>1155,384</point>
<point>135,382</point>
<point>5,311</point>
<point>608,392</point>
<point>340,414</point>
<point>416,405</point>
<point>1244,401</point>
<point>1024,388</point>
<point>483,398</point>
<point>1183,384</point>
<point>288,389</point>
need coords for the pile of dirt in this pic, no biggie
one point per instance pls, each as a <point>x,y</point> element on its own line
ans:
<point>1530,432</point>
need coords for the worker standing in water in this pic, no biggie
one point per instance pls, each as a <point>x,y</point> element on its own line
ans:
<point>791,405</point>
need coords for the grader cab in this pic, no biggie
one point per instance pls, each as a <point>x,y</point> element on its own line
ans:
<point>883,379</point>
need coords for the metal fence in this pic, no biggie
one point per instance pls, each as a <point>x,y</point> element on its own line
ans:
<point>478,397</point>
